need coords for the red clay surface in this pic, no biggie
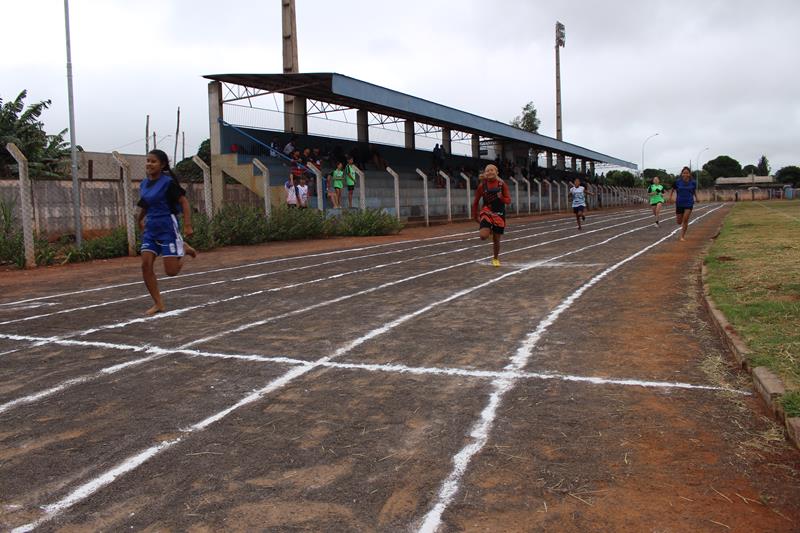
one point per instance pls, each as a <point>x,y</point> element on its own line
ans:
<point>367,447</point>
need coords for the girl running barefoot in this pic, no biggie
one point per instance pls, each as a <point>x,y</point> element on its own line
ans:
<point>656,191</point>
<point>161,199</point>
<point>492,216</point>
<point>578,193</point>
<point>687,195</point>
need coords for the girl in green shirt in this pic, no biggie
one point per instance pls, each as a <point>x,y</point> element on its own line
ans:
<point>656,191</point>
<point>338,183</point>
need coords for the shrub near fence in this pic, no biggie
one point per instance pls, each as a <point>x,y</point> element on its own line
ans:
<point>233,225</point>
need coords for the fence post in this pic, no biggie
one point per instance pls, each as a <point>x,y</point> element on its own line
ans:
<point>265,172</point>
<point>549,194</point>
<point>318,176</point>
<point>362,191</point>
<point>539,188</point>
<point>528,183</point>
<point>130,222</point>
<point>206,185</point>
<point>449,201</point>
<point>516,195</point>
<point>469,196</point>
<point>25,204</point>
<point>425,193</point>
<point>396,191</point>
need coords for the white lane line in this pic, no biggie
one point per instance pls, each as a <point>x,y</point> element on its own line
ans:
<point>276,272</point>
<point>479,433</point>
<point>395,368</point>
<point>90,487</point>
<point>183,310</point>
<point>306,256</point>
<point>84,379</point>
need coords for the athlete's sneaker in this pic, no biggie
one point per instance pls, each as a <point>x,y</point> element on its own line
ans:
<point>658,223</point>
<point>495,262</point>
<point>583,217</point>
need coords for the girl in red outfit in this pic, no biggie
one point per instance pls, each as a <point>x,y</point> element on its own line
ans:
<point>492,216</point>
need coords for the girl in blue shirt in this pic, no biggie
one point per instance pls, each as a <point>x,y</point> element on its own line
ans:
<point>686,188</point>
<point>161,199</point>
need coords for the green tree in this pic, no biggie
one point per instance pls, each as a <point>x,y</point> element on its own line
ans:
<point>790,174</point>
<point>723,166</point>
<point>749,169</point>
<point>527,120</point>
<point>188,170</point>
<point>621,178</point>
<point>763,166</point>
<point>46,153</point>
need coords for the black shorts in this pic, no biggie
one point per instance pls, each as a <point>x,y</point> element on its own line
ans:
<point>351,187</point>
<point>497,230</point>
<point>578,209</point>
<point>679,209</point>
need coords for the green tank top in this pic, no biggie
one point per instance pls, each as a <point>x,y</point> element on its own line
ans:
<point>656,193</point>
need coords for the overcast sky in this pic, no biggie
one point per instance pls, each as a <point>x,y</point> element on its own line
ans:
<point>721,74</point>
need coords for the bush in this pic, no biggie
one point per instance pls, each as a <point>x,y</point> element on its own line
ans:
<point>287,224</point>
<point>365,223</point>
<point>201,239</point>
<point>236,224</point>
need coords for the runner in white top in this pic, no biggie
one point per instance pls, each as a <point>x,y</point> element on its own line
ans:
<point>578,193</point>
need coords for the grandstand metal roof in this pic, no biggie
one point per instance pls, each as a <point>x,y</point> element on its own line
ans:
<point>352,93</point>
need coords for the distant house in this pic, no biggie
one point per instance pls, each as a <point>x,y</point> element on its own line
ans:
<point>103,166</point>
<point>763,182</point>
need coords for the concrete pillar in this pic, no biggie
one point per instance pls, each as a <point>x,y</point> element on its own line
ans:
<point>410,144</point>
<point>574,163</point>
<point>591,168</point>
<point>476,146</point>
<point>549,156</point>
<point>561,162</point>
<point>295,117</point>
<point>214,115</point>
<point>446,144</point>
<point>583,166</point>
<point>362,125</point>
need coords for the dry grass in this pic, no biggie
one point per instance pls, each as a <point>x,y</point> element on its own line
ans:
<point>754,278</point>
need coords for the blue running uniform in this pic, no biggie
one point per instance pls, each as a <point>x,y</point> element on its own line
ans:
<point>160,197</point>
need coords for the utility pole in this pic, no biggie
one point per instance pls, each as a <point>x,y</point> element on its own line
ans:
<point>294,107</point>
<point>560,42</point>
<point>76,187</point>
<point>147,135</point>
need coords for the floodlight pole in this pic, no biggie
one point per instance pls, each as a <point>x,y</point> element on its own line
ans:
<point>645,142</point>
<point>76,191</point>
<point>560,41</point>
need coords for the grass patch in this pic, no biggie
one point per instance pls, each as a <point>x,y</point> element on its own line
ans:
<point>753,273</point>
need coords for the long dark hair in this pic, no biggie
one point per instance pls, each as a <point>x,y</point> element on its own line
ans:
<point>164,160</point>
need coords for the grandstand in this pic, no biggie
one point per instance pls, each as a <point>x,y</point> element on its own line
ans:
<point>236,143</point>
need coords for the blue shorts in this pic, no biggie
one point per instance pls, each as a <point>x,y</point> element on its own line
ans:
<point>163,241</point>
<point>578,208</point>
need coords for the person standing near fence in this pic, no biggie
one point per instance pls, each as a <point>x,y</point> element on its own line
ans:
<point>350,176</point>
<point>686,197</point>
<point>656,192</point>
<point>578,193</point>
<point>161,199</point>
<point>492,216</point>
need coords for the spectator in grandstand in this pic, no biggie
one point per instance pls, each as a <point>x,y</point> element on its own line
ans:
<point>161,200</point>
<point>492,216</point>
<point>274,147</point>
<point>350,176</point>
<point>290,189</point>
<point>290,147</point>
<point>302,193</point>
<point>338,183</point>
<point>686,197</point>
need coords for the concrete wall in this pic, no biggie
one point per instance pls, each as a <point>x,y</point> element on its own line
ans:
<point>101,203</point>
<point>102,166</point>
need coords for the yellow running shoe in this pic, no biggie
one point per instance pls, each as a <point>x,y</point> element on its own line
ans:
<point>495,262</point>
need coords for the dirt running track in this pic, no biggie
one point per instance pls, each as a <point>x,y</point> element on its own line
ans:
<point>389,384</point>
